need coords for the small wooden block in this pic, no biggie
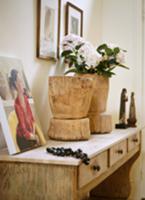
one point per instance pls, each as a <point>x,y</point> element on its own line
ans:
<point>69,129</point>
<point>100,123</point>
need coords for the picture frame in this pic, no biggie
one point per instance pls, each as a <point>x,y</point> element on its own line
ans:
<point>48,29</point>
<point>74,20</point>
<point>19,124</point>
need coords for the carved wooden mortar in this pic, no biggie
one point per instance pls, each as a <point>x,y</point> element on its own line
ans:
<point>70,99</point>
<point>100,121</point>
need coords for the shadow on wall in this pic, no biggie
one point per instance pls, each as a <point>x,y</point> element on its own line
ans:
<point>40,90</point>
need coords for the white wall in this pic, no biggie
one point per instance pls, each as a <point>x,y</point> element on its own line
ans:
<point>143,108</point>
<point>18,38</point>
<point>122,25</point>
<point>120,28</point>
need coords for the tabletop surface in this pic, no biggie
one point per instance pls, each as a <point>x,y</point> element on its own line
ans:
<point>95,145</point>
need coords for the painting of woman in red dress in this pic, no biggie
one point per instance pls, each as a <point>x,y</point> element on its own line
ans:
<point>25,133</point>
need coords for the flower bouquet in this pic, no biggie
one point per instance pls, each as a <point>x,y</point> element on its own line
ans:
<point>83,58</point>
<point>98,63</point>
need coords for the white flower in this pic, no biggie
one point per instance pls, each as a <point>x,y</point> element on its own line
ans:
<point>68,46</point>
<point>99,57</point>
<point>90,56</point>
<point>70,41</point>
<point>73,38</point>
<point>92,59</point>
<point>87,55</point>
<point>120,57</point>
<point>88,67</point>
<point>111,45</point>
<point>85,58</point>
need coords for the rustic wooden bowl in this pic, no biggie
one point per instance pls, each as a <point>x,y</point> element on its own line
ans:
<point>100,93</point>
<point>70,96</point>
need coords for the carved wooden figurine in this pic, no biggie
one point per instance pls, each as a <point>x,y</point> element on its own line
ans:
<point>132,112</point>
<point>122,114</point>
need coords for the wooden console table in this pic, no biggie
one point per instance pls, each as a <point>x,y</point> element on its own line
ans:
<point>37,175</point>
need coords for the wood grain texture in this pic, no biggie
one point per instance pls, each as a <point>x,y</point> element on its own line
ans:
<point>95,145</point>
<point>97,166</point>
<point>100,92</point>
<point>117,152</point>
<point>133,141</point>
<point>69,129</point>
<point>116,186</point>
<point>37,182</point>
<point>100,123</point>
<point>108,172</point>
<point>70,97</point>
<point>41,179</point>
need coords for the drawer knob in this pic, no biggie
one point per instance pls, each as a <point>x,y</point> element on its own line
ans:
<point>96,168</point>
<point>120,151</point>
<point>135,140</point>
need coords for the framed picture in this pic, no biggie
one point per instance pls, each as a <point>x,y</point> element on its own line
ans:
<point>48,29</point>
<point>18,122</point>
<point>74,20</point>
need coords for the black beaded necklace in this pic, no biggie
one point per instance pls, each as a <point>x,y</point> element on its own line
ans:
<point>61,151</point>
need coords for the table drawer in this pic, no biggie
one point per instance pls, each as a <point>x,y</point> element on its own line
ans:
<point>97,166</point>
<point>117,152</point>
<point>133,141</point>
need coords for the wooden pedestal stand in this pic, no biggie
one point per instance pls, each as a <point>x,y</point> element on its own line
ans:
<point>69,129</point>
<point>70,99</point>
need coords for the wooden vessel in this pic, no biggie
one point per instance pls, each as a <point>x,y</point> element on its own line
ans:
<point>70,99</point>
<point>99,122</point>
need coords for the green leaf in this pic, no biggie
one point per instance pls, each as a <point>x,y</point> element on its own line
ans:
<point>112,73</point>
<point>102,47</point>
<point>116,50</point>
<point>111,68</point>
<point>112,61</point>
<point>120,65</point>
<point>70,64</point>
<point>79,46</point>
<point>65,53</point>
<point>71,57</point>
<point>109,74</point>
<point>109,51</point>
<point>71,70</point>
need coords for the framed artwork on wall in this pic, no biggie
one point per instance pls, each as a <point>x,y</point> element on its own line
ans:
<point>74,20</point>
<point>48,29</point>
